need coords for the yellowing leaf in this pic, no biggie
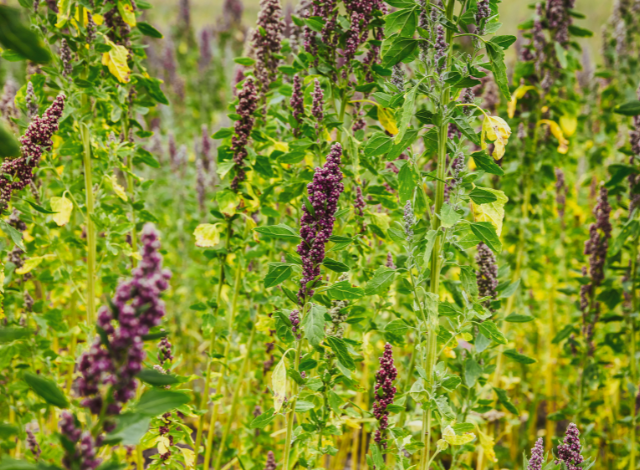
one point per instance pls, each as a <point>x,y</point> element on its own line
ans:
<point>64,12</point>
<point>112,182</point>
<point>116,60</point>
<point>265,323</point>
<point>227,202</point>
<point>326,136</point>
<point>85,17</point>
<point>387,120</point>
<point>188,455</point>
<point>63,207</point>
<point>163,444</point>
<point>381,220</point>
<point>281,146</point>
<point>517,94</point>
<point>487,444</point>
<point>493,211</point>
<point>563,144</point>
<point>569,124</point>
<point>496,130</point>
<point>279,384</point>
<point>442,445</point>
<point>127,13</point>
<point>449,435</point>
<point>98,19</point>
<point>207,235</point>
<point>31,264</point>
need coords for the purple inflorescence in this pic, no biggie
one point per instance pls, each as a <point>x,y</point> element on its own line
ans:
<point>484,12</point>
<point>317,105</point>
<point>297,103</point>
<point>232,12</point>
<point>537,456</point>
<point>457,167</point>
<point>91,28</point>
<point>247,104</point>
<point>135,309</point>
<point>317,226</point>
<point>32,102</point>
<point>266,42</point>
<point>384,392</point>
<point>294,318</point>
<point>599,234</point>
<point>84,446</point>
<point>441,47</point>
<point>487,274</point>
<point>569,451</point>
<point>559,19</point>
<point>359,203</point>
<point>271,462</point>
<point>205,49</point>
<point>164,350</point>
<point>32,444</point>
<point>360,13</point>
<point>409,220</point>
<point>205,148</point>
<point>539,41</point>
<point>65,58</point>
<point>18,173</point>
<point>389,263</point>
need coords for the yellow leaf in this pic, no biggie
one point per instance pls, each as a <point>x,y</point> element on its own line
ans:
<point>85,16</point>
<point>450,353</point>
<point>189,456</point>
<point>449,435</point>
<point>127,13</point>
<point>112,182</point>
<point>265,323</point>
<point>487,444</point>
<point>387,119</point>
<point>281,146</point>
<point>30,264</point>
<point>163,444</point>
<point>496,130</point>
<point>352,423</point>
<point>63,207</point>
<point>442,445</point>
<point>517,94</point>
<point>279,384</point>
<point>116,60</point>
<point>228,202</point>
<point>569,124</point>
<point>563,144</point>
<point>207,235</point>
<point>492,211</point>
<point>325,135</point>
<point>98,19</point>
<point>64,12</point>
<point>381,220</point>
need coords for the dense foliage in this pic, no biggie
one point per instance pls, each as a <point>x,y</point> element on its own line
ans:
<point>351,236</point>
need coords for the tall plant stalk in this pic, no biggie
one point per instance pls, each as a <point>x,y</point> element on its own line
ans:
<point>91,229</point>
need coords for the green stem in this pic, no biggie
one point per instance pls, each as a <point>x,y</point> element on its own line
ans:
<point>291,413</point>
<point>207,380</point>
<point>632,359</point>
<point>91,229</point>
<point>134,240</point>
<point>225,360</point>
<point>234,400</point>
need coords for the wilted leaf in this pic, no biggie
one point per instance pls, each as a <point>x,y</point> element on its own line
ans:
<point>207,235</point>
<point>62,208</point>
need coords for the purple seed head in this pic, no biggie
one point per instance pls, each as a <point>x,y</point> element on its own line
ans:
<point>487,274</point>
<point>537,456</point>
<point>569,451</point>
<point>384,392</point>
<point>247,105</point>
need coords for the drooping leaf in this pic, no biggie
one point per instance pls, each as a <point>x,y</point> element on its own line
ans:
<point>504,399</point>
<point>207,235</point>
<point>47,390</point>
<point>279,384</point>
<point>491,211</point>
<point>116,61</point>
<point>278,273</point>
<point>344,291</point>
<point>517,357</point>
<point>279,231</point>
<point>380,282</point>
<point>486,232</point>
<point>339,347</point>
<point>313,324</point>
<point>155,402</point>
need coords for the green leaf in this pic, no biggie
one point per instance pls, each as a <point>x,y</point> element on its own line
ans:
<point>486,163</point>
<point>560,54</point>
<point>580,32</point>
<point>7,463</point>
<point>278,272</point>
<point>11,333</point>
<point>153,87</point>
<point>469,280</point>
<point>504,399</point>
<point>400,49</point>
<point>406,182</point>
<point>377,144</point>
<point>631,108</point>
<point>517,357</point>
<point>335,266</point>
<point>223,133</point>
<point>9,146</point>
<point>380,282</point>
<point>156,378</point>
<point>490,330</point>
<point>509,290</point>
<point>156,402</point>
<point>278,231</point>
<point>472,371</point>
<point>482,196</point>
<point>496,55</point>
<point>17,36</point>
<point>13,234</point>
<point>397,328</point>
<point>339,347</point>
<point>448,216</point>
<point>130,428</point>
<point>516,318</point>
<point>402,22</point>
<point>344,291</point>
<point>246,61</point>
<point>486,232</point>
<point>39,208</point>
<point>313,324</point>
<point>503,41</point>
<point>262,421</point>
<point>47,390</point>
<point>144,156</point>
<point>148,30</point>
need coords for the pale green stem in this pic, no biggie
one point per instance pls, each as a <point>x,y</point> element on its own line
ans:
<point>91,229</point>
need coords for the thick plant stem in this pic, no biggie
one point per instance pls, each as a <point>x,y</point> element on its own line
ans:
<point>234,400</point>
<point>221,381</point>
<point>207,380</point>
<point>291,413</point>
<point>632,356</point>
<point>130,187</point>
<point>91,228</point>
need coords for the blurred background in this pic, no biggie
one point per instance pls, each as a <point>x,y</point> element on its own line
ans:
<point>512,13</point>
